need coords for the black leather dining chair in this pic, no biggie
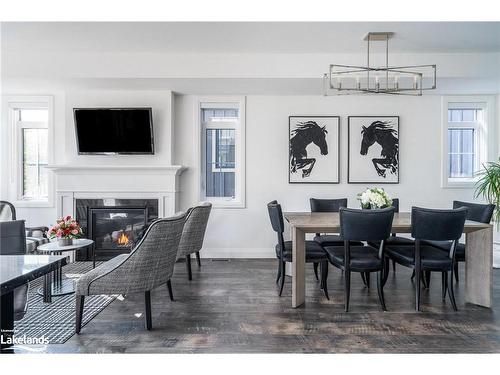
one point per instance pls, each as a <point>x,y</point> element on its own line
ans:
<point>476,212</point>
<point>362,225</point>
<point>394,239</point>
<point>431,225</point>
<point>329,205</point>
<point>13,242</point>
<point>314,252</point>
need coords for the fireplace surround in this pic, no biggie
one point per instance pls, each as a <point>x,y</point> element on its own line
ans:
<point>116,185</point>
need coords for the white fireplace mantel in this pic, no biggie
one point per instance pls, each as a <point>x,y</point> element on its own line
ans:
<point>116,181</point>
<point>118,169</point>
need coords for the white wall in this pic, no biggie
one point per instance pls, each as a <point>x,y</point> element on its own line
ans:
<point>159,101</point>
<point>95,78</point>
<point>247,232</point>
<point>65,151</point>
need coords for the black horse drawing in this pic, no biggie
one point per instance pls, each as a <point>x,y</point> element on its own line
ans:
<point>305,133</point>
<point>383,133</point>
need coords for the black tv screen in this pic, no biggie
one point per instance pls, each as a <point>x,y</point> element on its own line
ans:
<point>114,130</point>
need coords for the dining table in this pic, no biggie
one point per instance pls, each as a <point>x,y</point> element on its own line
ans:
<point>15,271</point>
<point>478,254</point>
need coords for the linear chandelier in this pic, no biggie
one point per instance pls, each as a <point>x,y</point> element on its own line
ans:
<point>399,80</point>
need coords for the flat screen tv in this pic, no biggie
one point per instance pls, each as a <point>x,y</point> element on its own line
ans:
<point>114,130</point>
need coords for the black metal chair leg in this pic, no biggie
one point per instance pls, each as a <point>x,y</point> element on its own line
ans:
<point>170,293</point>
<point>455,271</point>
<point>444,284</point>
<point>279,271</point>
<point>451,293</point>
<point>363,278</point>
<point>393,265</point>
<point>413,274</point>
<point>324,278</point>
<point>423,279</point>
<point>367,278</point>
<point>282,283</point>
<point>347,290</point>
<point>380,289</point>
<point>188,265</point>
<point>80,300</point>
<point>315,266</point>
<point>427,279</point>
<point>147,300</point>
<point>386,270</point>
<point>418,276</point>
<point>198,259</point>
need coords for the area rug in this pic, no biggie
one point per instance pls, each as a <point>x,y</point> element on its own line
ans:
<point>56,320</point>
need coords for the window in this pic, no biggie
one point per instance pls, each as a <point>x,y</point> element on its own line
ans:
<point>30,119</point>
<point>222,144</point>
<point>33,125</point>
<point>462,159</point>
<point>465,140</point>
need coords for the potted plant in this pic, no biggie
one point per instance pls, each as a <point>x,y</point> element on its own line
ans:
<point>65,230</point>
<point>374,198</point>
<point>488,186</point>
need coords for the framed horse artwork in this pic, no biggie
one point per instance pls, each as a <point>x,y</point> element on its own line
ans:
<point>373,150</point>
<point>314,150</point>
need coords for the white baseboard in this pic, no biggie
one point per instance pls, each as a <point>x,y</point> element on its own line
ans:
<point>237,253</point>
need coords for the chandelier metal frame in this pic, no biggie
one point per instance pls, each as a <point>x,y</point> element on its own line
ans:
<point>398,80</point>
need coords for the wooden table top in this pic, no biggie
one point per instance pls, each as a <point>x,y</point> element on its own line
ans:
<point>312,222</point>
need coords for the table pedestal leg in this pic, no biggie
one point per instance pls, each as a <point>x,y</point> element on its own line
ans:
<point>47,288</point>
<point>58,272</point>
<point>298,267</point>
<point>479,267</point>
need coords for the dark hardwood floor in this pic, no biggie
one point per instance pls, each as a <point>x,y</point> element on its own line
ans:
<point>233,307</point>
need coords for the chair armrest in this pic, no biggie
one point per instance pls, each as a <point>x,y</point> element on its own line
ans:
<point>30,230</point>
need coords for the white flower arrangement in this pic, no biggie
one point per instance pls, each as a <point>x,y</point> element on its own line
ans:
<point>374,198</point>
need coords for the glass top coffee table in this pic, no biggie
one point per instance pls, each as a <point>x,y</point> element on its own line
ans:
<point>61,286</point>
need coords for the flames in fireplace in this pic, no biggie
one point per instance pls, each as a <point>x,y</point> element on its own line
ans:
<point>123,240</point>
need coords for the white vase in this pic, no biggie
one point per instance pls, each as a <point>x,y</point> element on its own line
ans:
<point>65,241</point>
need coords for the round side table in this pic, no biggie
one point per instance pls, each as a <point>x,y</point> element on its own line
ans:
<point>60,286</point>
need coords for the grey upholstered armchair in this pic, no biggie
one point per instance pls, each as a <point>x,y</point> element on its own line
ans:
<point>194,233</point>
<point>149,265</point>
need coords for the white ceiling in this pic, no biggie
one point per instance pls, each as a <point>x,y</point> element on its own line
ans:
<point>249,37</point>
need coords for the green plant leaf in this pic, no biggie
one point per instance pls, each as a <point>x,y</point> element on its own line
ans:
<point>488,186</point>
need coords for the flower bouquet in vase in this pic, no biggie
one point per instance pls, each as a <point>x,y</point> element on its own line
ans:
<point>65,230</point>
<point>374,198</point>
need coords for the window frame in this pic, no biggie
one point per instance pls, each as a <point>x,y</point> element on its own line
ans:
<point>15,149</point>
<point>484,135</point>
<point>239,201</point>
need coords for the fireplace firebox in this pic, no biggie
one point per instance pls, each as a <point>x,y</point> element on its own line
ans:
<point>115,229</point>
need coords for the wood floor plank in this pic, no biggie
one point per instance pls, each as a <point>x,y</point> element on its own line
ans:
<point>233,307</point>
